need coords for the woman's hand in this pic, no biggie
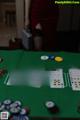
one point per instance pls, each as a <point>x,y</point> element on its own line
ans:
<point>38,26</point>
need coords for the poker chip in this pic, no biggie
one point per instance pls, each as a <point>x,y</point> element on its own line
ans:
<point>50,104</point>
<point>27,111</point>
<point>7,102</point>
<point>18,117</point>
<point>23,112</point>
<point>52,107</point>
<point>7,107</point>
<point>2,72</point>
<point>44,57</point>
<point>7,113</point>
<point>26,118</point>
<point>58,59</point>
<point>2,107</point>
<point>13,105</point>
<point>18,103</point>
<point>51,57</point>
<point>15,110</point>
<point>13,117</point>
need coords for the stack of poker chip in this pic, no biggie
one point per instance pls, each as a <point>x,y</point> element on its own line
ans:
<point>52,107</point>
<point>15,109</point>
<point>51,57</point>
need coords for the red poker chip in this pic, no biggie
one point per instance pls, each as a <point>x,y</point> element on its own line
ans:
<point>27,110</point>
<point>23,111</point>
<point>11,117</point>
<point>2,72</point>
<point>52,107</point>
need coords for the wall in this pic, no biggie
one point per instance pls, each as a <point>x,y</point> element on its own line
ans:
<point>7,0</point>
<point>19,16</point>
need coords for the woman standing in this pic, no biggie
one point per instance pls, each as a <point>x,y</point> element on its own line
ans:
<point>43,18</point>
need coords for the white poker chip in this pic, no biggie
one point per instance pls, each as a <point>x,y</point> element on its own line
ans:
<point>26,118</point>
<point>2,107</point>
<point>49,104</point>
<point>18,103</point>
<point>44,57</point>
<point>7,102</point>
<point>15,110</point>
<point>13,105</point>
<point>23,112</point>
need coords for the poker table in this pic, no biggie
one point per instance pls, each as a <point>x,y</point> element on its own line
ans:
<point>35,98</point>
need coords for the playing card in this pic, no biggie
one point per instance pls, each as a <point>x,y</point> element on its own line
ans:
<point>74,74</point>
<point>56,78</point>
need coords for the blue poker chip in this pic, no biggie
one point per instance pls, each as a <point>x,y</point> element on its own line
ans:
<point>51,57</point>
<point>23,112</point>
<point>19,117</point>
<point>26,118</point>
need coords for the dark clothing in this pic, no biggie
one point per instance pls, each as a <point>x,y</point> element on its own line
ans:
<point>45,12</point>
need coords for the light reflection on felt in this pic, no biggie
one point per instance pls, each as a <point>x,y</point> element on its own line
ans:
<point>33,78</point>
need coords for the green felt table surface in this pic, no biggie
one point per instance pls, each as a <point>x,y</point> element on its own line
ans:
<point>34,98</point>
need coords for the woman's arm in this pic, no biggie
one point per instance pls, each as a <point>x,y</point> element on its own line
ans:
<point>27,7</point>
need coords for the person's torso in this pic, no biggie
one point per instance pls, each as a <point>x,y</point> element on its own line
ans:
<point>44,8</point>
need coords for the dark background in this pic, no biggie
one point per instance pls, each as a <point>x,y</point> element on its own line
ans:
<point>68,27</point>
<point>7,0</point>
